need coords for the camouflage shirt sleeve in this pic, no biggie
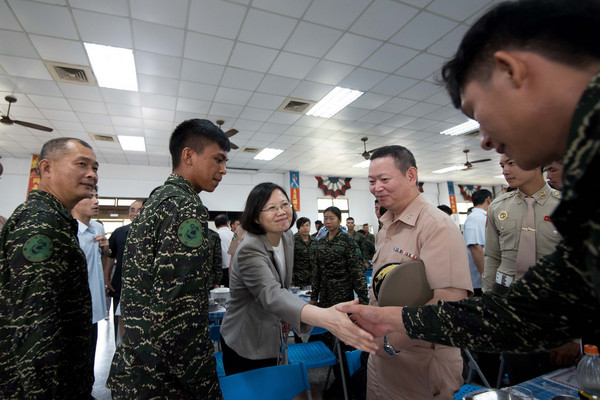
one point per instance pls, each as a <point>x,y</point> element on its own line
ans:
<point>217,258</point>
<point>357,270</point>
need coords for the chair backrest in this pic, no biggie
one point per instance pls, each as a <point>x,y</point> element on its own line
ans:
<point>317,330</point>
<point>271,383</point>
<point>215,333</point>
<point>353,361</point>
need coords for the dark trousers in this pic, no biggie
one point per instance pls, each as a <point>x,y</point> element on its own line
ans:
<point>234,363</point>
<point>225,278</point>
<point>92,351</point>
<point>115,303</point>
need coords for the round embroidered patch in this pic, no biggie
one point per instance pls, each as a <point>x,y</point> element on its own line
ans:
<point>190,232</point>
<point>37,248</point>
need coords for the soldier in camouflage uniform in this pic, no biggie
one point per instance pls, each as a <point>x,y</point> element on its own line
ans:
<point>369,240</point>
<point>358,237</point>
<point>166,351</point>
<point>303,253</point>
<point>45,303</point>
<point>214,256</point>
<point>558,298</point>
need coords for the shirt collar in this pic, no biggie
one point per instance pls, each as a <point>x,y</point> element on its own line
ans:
<point>540,196</point>
<point>409,215</point>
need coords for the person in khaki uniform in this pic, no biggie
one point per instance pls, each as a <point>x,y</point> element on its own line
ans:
<point>415,229</point>
<point>504,226</point>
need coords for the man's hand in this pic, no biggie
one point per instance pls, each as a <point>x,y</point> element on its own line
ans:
<point>378,321</point>
<point>103,243</point>
<point>108,287</point>
<point>565,355</point>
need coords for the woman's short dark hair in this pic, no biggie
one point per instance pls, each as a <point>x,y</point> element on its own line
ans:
<point>258,197</point>
<point>301,221</point>
<point>336,211</point>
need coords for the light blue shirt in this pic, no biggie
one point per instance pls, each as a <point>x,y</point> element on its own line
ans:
<point>91,249</point>
<point>474,233</point>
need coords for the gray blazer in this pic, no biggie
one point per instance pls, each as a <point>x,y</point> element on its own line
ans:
<point>259,299</point>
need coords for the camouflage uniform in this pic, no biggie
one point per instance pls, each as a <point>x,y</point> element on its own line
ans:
<point>303,261</point>
<point>368,248</point>
<point>45,304</point>
<point>558,298</point>
<point>215,257</point>
<point>166,352</point>
<point>338,271</point>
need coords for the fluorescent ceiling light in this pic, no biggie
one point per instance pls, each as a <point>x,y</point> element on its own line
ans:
<point>364,164</point>
<point>335,100</point>
<point>449,169</point>
<point>114,67</point>
<point>268,154</point>
<point>462,129</point>
<point>133,143</point>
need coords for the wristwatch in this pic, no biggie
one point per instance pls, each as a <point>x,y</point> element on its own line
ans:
<point>388,347</point>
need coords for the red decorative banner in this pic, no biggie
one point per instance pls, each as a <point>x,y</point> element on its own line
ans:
<point>467,191</point>
<point>34,174</point>
<point>295,189</point>
<point>333,186</point>
<point>452,197</point>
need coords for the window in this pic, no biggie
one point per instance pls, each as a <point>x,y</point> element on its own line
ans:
<point>342,204</point>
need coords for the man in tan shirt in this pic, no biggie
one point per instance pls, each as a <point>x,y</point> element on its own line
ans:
<point>415,229</point>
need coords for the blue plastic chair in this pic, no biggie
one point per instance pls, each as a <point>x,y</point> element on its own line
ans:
<point>465,389</point>
<point>220,368</point>
<point>353,361</point>
<point>271,383</point>
<point>215,335</point>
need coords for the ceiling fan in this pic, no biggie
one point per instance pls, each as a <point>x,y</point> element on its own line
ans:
<point>469,164</point>
<point>367,153</point>
<point>229,133</point>
<point>8,121</point>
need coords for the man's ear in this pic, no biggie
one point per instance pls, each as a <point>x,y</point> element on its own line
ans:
<point>511,66</point>
<point>412,175</point>
<point>187,156</point>
<point>45,167</point>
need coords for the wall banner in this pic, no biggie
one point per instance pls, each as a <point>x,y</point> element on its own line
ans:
<point>452,197</point>
<point>34,174</point>
<point>295,189</point>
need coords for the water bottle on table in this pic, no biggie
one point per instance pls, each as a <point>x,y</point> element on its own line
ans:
<point>588,374</point>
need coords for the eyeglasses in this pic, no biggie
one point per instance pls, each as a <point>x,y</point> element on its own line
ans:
<point>287,206</point>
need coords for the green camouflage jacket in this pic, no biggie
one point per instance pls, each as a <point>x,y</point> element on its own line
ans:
<point>215,258</point>
<point>45,304</point>
<point>166,352</point>
<point>303,260</point>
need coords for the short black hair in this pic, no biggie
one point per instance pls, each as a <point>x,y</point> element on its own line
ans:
<point>336,211</point>
<point>349,218</point>
<point>564,31</point>
<point>57,148</point>
<point>445,209</point>
<point>301,221</point>
<point>195,134</point>
<point>403,158</point>
<point>221,220</point>
<point>478,197</point>
<point>258,197</point>
<point>318,224</point>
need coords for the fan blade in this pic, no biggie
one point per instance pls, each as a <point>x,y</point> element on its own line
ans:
<point>231,132</point>
<point>233,146</point>
<point>482,160</point>
<point>34,126</point>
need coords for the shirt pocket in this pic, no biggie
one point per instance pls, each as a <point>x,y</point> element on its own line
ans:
<point>548,232</point>
<point>507,232</point>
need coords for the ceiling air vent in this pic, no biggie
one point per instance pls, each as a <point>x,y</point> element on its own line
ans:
<point>297,106</point>
<point>70,73</point>
<point>250,149</point>
<point>99,137</point>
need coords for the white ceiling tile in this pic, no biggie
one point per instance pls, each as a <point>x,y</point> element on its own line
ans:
<point>421,91</point>
<point>443,113</point>
<point>127,122</point>
<point>157,114</point>
<point>225,110</point>
<point>157,84</point>
<point>232,96</point>
<point>199,91</point>
<point>423,30</point>
<point>370,101</point>
<point>311,39</point>
<point>172,12</point>
<point>447,45</point>
<point>216,18</point>
<point>16,44</point>
<point>278,85</point>
<point>399,121</point>
<point>25,67</point>
<point>362,79</point>
<point>54,103</point>
<point>37,86</point>
<point>441,98</point>
<point>157,101</point>
<point>421,109</point>
<point>272,128</point>
<point>397,105</point>
<point>196,71</point>
<point>44,19</point>
<point>383,18</point>
<point>72,90</point>
<point>458,9</point>
<point>389,58</point>
<point>254,58</point>
<point>266,29</point>
<point>284,118</point>
<point>393,85</point>
<point>292,65</point>
<point>86,118</point>
<point>156,38</point>
<point>193,106</point>
<point>115,7</point>
<point>7,18</point>
<point>60,115</point>
<point>100,127</point>
<point>242,79</point>
<point>310,121</point>
<point>124,110</point>
<point>74,126</point>
<point>181,116</point>
<point>376,117</point>
<point>157,64</point>
<point>336,13</point>
<point>349,114</point>
<point>263,100</point>
<point>207,48</point>
<point>421,66</point>
<point>329,72</point>
<point>311,91</point>
<point>257,114</point>
<point>353,49</point>
<point>292,8</point>
<point>61,50</point>
<point>420,123</point>
<point>103,29</point>
<point>120,96</point>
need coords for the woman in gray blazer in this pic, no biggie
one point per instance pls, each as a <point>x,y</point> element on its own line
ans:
<point>262,310</point>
